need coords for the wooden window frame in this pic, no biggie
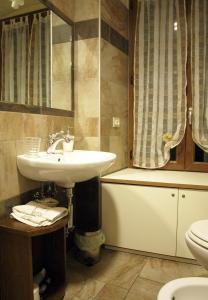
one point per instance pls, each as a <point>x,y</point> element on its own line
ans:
<point>185,151</point>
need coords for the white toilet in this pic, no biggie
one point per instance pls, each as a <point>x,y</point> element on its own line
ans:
<point>191,288</point>
<point>197,241</point>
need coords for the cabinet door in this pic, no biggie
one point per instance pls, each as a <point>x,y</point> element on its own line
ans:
<point>193,206</point>
<point>140,218</point>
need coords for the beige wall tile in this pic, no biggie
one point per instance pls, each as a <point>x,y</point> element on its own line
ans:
<point>35,125</point>
<point>86,59</point>
<point>58,123</point>
<point>8,176</point>
<point>118,146</point>
<point>61,61</point>
<point>61,76</point>
<point>114,99</point>
<point>87,103</point>
<point>116,15</point>
<point>65,6</point>
<point>78,10</point>
<point>61,100</point>
<point>114,64</point>
<point>87,143</point>
<point>114,103</point>
<point>11,126</point>
<point>86,10</point>
<point>88,127</point>
<point>11,182</point>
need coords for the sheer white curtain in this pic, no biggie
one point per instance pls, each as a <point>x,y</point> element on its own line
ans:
<point>160,81</point>
<point>26,60</point>
<point>199,71</point>
<point>14,69</point>
<point>40,61</point>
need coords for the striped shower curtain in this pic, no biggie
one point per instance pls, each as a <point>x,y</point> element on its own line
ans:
<point>26,61</point>
<point>40,61</point>
<point>199,72</point>
<point>14,58</point>
<point>160,81</point>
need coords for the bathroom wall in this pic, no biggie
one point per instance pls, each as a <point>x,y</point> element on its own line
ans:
<point>101,75</point>
<point>114,79</point>
<point>101,85</point>
<point>14,126</point>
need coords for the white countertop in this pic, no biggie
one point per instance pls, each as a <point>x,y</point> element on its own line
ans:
<point>159,178</point>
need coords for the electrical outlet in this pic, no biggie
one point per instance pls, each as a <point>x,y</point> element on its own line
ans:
<point>116,122</point>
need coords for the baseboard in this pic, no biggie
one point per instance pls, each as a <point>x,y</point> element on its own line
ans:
<point>155,255</point>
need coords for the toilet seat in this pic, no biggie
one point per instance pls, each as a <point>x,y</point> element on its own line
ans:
<point>185,289</point>
<point>196,240</point>
<point>198,233</point>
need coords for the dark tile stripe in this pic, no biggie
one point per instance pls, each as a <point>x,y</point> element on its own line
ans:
<point>113,37</point>
<point>61,34</point>
<point>90,29</point>
<point>86,29</point>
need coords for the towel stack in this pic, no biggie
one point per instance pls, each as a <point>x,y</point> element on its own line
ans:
<point>36,214</point>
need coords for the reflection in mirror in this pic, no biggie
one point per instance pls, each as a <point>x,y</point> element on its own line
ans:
<point>61,64</point>
<point>36,60</point>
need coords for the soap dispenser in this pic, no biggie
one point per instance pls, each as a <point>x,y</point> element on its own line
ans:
<point>68,144</point>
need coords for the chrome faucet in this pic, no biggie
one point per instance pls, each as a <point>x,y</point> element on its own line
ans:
<point>55,138</point>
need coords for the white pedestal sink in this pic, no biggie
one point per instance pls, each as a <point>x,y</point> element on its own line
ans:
<point>65,168</point>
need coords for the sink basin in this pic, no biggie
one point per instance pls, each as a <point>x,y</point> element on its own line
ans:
<point>65,168</point>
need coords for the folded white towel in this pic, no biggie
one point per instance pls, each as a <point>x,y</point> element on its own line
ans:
<point>35,214</point>
<point>33,221</point>
<point>35,209</point>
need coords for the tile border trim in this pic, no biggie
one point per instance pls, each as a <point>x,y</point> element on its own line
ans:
<point>89,29</point>
<point>114,37</point>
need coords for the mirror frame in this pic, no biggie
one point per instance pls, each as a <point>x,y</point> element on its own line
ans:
<point>23,108</point>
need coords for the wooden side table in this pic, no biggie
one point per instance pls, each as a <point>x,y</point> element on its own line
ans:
<point>24,251</point>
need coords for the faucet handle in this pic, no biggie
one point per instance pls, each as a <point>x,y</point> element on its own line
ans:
<point>51,138</point>
<point>68,137</point>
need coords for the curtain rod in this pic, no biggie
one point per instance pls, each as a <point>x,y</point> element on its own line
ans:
<point>32,13</point>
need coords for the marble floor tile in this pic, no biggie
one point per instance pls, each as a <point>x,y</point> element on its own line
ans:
<point>117,268</point>
<point>121,275</point>
<point>144,289</point>
<point>75,283</point>
<point>165,270</point>
<point>90,290</point>
<point>113,292</point>
<point>85,290</point>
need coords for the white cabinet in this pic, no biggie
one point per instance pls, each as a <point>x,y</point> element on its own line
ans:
<point>151,219</point>
<point>140,218</point>
<point>192,207</point>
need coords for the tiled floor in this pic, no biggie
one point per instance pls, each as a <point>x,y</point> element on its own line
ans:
<point>121,275</point>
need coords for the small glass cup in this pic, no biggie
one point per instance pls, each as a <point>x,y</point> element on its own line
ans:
<point>32,146</point>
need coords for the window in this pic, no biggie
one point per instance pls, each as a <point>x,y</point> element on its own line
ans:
<point>187,155</point>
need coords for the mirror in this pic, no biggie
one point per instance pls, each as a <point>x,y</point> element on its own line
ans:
<point>36,55</point>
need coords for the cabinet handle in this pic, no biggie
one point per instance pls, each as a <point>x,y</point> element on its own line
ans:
<point>183,196</point>
<point>173,195</point>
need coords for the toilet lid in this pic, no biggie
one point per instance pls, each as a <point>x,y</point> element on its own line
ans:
<point>200,230</point>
